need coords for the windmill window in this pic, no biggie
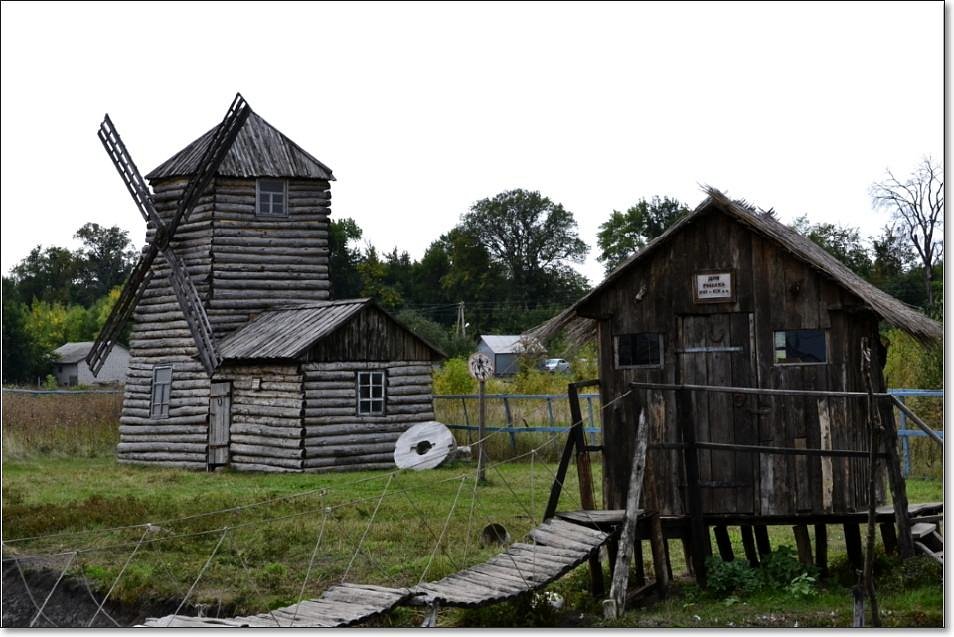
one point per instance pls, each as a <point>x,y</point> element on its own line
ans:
<point>643,349</point>
<point>161,387</point>
<point>370,393</point>
<point>800,347</point>
<point>271,198</point>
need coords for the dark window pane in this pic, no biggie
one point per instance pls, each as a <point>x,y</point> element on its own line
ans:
<point>638,349</point>
<point>800,346</point>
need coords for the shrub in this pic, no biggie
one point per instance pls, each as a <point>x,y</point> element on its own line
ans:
<point>728,578</point>
<point>454,378</point>
<point>781,567</point>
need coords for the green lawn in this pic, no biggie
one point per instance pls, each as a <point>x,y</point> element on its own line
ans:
<point>262,559</point>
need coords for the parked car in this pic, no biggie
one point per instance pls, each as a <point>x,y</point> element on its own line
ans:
<point>554,365</point>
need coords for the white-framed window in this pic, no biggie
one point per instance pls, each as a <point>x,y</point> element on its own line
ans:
<point>271,198</point>
<point>161,387</point>
<point>801,347</point>
<point>643,349</point>
<point>371,393</point>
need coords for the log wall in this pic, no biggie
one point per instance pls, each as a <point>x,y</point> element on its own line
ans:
<point>266,432</point>
<point>335,438</point>
<point>160,335</point>
<point>259,261</point>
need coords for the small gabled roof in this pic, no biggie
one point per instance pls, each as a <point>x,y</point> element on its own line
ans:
<point>288,332</point>
<point>890,309</point>
<point>260,150</point>
<point>75,352</point>
<point>507,343</point>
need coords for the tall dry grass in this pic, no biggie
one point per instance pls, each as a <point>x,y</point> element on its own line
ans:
<point>73,425</point>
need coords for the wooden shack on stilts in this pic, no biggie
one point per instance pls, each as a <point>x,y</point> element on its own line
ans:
<point>741,340</point>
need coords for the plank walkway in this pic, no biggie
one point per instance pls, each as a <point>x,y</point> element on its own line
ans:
<point>556,547</point>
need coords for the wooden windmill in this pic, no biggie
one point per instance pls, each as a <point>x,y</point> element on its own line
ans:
<point>181,283</point>
<point>237,354</point>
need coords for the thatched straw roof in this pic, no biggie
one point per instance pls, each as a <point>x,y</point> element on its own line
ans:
<point>890,309</point>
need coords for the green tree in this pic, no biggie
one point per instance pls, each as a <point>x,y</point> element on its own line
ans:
<point>532,238</point>
<point>104,261</point>
<point>373,272</point>
<point>344,257</point>
<point>24,359</point>
<point>842,242</point>
<point>49,275</point>
<point>626,232</point>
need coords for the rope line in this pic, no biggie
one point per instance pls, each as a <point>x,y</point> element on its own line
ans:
<point>248,576</point>
<point>52,590</point>
<point>443,531</point>
<point>116,581</point>
<point>367,528</point>
<point>201,573</point>
<point>30,594</point>
<point>311,563</point>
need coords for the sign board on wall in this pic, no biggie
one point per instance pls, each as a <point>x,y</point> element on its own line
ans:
<point>713,287</point>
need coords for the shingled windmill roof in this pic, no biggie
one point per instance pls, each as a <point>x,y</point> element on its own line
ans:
<point>890,309</point>
<point>260,150</point>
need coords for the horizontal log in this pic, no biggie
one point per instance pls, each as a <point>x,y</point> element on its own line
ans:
<point>266,460</point>
<point>414,399</point>
<point>240,449</point>
<point>159,446</point>
<point>313,267</point>
<point>146,343</point>
<point>367,466</point>
<point>270,421</point>
<point>371,437</point>
<point>264,410</point>
<point>162,457</point>
<point>317,387</point>
<point>319,412</point>
<point>261,371</point>
<point>254,466</point>
<point>315,291</point>
<point>364,428</point>
<point>172,420</point>
<point>309,290</point>
<point>423,389</point>
<point>262,399</point>
<point>404,381</point>
<point>328,394</point>
<point>162,429</point>
<point>343,451</point>
<point>272,245</point>
<point>268,441</point>
<point>165,438</point>
<point>418,408</point>
<point>398,367</point>
<point>201,466</point>
<point>292,433</point>
<point>233,273</point>
<point>391,418</point>
<point>253,305</point>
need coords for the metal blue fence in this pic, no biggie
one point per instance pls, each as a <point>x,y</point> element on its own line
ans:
<point>906,434</point>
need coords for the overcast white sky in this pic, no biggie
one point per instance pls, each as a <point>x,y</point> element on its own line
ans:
<point>423,109</point>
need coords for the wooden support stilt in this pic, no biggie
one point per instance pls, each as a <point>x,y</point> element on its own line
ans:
<point>687,554</point>
<point>698,534</point>
<point>585,477</point>
<point>657,545</point>
<point>762,539</point>
<point>724,543</point>
<point>853,544</point>
<point>889,538</point>
<point>748,544</point>
<point>638,559</point>
<point>896,482</point>
<point>803,542</point>
<point>821,549</point>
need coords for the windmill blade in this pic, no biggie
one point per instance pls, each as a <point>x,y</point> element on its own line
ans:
<point>222,140</point>
<point>194,311</point>
<point>118,317</point>
<point>126,168</point>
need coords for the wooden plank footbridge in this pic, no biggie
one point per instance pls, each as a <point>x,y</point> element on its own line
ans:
<point>563,541</point>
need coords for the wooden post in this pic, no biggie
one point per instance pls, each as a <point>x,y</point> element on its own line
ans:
<point>724,543</point>
<point>748,544</point>
<point>638,559</point>
<point>481,415</point>
<point>897,484</point>
<point>874,438</point>
<point>509,416</point>
<point>463,403</point>
<point>658,546</point>
<point>821,548</point>
<point>616,604</point>
<point>762,539</point>
<point>585,477</point>
<point>853,544</point>
<point>698,535</point>
<point>803,543</point>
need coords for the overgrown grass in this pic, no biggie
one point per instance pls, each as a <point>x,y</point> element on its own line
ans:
<point>62,425</point>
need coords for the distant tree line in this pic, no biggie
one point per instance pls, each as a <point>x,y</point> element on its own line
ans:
<point>508,261</point>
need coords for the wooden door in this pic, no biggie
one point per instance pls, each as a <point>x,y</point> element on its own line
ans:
<point>220,419</point>
<point>717,349</point>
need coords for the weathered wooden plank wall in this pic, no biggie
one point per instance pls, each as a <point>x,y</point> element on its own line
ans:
<point>780,292</point>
